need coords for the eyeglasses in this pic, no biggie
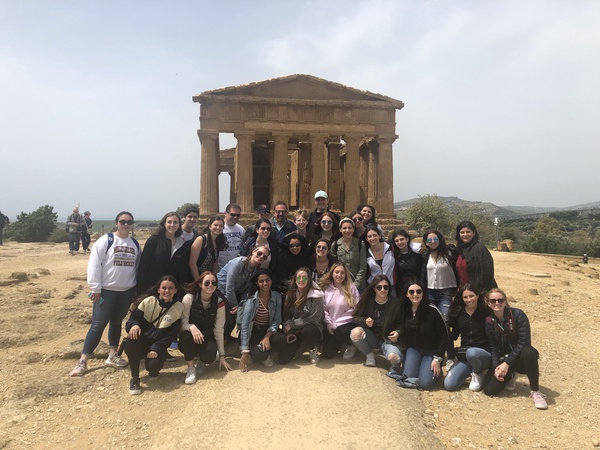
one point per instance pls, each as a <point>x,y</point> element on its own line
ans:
<point>234,215</point>
<point>277,211</point>
<point>415,291</point>
<point>295,245</point>
<point>358,219</point>
<point>326,222</point>
<point>125,222</point>
<point>261,255</point>
<point>208,283</point>
<point>496,300</point>
<point>265,228</point>
<point>382,287</point>
<point>322,247</point>
<point>430,240</point>
<point>301,278</point>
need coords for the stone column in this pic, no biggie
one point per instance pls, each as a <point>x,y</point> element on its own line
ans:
<point>386,175</point>
<point>364,173</point>
<point>372,178</point>
<point>318,162</point>
<point>352,172</point>
<point>304,176</point>
<point>209,171</point>
<point>244,171</point>
<point>334,182</point>
<point>280,184</point>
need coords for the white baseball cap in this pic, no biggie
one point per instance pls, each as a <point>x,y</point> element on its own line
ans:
<point>321,194</point>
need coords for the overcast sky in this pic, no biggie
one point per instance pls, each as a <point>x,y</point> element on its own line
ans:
<point>502,98</point>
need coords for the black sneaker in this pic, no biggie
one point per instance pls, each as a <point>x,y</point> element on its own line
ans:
<point>134,386</point>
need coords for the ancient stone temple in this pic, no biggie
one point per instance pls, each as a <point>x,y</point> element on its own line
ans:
<point>297,135</point>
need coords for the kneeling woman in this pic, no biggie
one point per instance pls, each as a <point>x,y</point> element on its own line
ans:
<point>467,321</point>
<point>339,304</point>
<point>261,318</point>
<point>303,316</point>
<point>426,338</point>
<point>151,329</point>
<point>202,326</point>
<point>380,323</point>
<point>509,335</point>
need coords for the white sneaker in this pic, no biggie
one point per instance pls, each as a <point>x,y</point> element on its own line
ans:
<point>115,360</point>
<point>539,400</point>
<point>190,375</point>
<point>511,385</point>
<point>268,362</point>
<point>476,382</point>
<point>370,362</point>
<point>350,352</point>
<point>314,355</point>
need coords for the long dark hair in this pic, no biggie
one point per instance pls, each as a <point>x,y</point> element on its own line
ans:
<point>162,230</point>
<point>220,242</point>
<point>442,249</point>
<point>372,220</point>
<point>368,296</point>
<point>458,302</point>
<point>254,281</point>
<point>423,307</point>
<point>293,301</point>
<point>471,226</point>
<point>153,291</point>
<point>259,222</point>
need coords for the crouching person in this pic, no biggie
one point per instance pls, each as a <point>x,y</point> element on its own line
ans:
<point>151,329</point>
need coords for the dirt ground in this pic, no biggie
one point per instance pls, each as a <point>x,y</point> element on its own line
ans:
<point>335,404</point>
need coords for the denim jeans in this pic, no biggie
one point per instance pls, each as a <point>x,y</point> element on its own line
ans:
<point>112,311</point>
<point>417,367</point>
<point>73,242</point>
<point>441,299</point>
<point>369,342</point>
<point>477,361</point>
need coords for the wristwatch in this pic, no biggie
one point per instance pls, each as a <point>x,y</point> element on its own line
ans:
<point>439,359</point>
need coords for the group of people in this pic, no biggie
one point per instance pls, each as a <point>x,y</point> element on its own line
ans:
<point>79,228</point>
<point>317,282</point>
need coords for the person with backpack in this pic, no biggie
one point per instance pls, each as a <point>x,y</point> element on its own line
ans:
<point>202,326</point>
<point>352,252</point>
<point>112,277</point>
<point>205,248</point>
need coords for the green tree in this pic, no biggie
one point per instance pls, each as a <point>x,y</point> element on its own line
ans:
<point>548,226</point>
<point>33,227</point>
<point>184,207</point>
<point>430,212</point>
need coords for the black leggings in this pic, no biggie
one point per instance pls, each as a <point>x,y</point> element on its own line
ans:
<point>277,341</point>
<point>309,334</point>
<point>207,351</point>
<point>136,350</point>
<point>526,362</point>
<point>332,343</point>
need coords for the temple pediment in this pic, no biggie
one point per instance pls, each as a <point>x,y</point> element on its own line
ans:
<point>298,88</point>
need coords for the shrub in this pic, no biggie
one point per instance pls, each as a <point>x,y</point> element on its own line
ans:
<point>33,227</point>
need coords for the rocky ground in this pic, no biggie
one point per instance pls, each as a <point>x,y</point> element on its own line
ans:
<point>44,315</point>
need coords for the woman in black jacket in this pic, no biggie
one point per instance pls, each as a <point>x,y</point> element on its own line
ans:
<point>474,262</point>
<point>408,263</point>
<point>509,336</point>
<point>151,328</point>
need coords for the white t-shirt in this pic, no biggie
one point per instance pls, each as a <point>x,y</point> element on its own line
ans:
<point>234,236</point>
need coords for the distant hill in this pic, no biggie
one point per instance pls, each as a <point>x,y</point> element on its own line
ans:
<point>489,209</point>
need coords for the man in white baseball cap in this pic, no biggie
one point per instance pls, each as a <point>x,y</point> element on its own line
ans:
<point>322,205</point>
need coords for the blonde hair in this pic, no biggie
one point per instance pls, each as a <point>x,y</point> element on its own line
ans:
<point>496,290</point>
<point>346,288</point>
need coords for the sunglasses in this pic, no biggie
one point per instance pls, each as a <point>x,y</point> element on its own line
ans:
<point>382,287</point>
<point>358,219</point>
<point>265,228</point>
<point>301,278</point>
<point>326,222</point>
<point>295,245</point>
<point>126,222</point>
<point>496,300</point>
<point>415,291</point>
<point>430,240</point>
<point>261,255</point>
<point>234,215</point>
<point>322,247</point>
<point>208,283</point>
